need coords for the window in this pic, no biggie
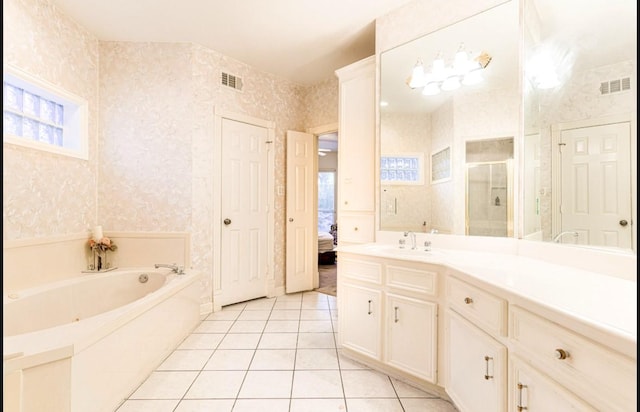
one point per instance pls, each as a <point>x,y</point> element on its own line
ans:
<point>441,165</point>
<point>402,169</point>
<point>326,200</point>
<point>42,116</point>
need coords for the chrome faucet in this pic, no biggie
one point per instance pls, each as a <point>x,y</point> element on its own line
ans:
<point>174,267</point>
<point>412,237</point>
<point>557,238</point>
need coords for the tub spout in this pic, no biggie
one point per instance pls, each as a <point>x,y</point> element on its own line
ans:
<point>174,267</point>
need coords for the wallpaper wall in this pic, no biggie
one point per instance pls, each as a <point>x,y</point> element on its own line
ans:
<point>151,141</point>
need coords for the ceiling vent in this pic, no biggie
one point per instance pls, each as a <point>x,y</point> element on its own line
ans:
<point>232,81</point>
<point>615,86</point>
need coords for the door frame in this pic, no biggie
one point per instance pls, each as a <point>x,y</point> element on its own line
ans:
<point>216,229</point>
<point>556,164</point>
<point>317,131</point>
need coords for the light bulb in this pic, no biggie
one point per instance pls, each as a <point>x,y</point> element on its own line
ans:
<point>472,78</point>
<point>431,89</point>
<point>417,76</point>
<point>451,83</point>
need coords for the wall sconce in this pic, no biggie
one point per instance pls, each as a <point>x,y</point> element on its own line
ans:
<point>465,70</point>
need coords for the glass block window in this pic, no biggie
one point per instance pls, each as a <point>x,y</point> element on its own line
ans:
<point>441,165</point>
<point>401,169</point>
<point>42,116</point>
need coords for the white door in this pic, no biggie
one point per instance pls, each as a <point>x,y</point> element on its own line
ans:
<point>596,184</point>
<point>302,214</point>
<point>244,212</point>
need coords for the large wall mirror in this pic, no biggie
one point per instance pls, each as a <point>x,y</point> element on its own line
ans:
<point>580,132</point>
<point>449,121</point>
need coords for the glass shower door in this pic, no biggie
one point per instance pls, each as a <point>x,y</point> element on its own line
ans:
<point>489,199</point>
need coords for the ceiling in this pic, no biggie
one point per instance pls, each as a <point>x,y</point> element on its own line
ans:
<point>303,41</point>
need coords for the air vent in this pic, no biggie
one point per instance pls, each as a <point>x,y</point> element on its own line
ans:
<point>615,86</point>
<point>232,81</point>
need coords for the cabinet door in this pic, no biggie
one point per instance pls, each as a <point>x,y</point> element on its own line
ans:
<point>356,157</point>
<point>477,375</point>
<point>532,391</point>
<point>360,319</point>
<point>411,339</point>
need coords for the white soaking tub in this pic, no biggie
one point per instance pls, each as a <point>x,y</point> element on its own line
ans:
<point>84,344</point>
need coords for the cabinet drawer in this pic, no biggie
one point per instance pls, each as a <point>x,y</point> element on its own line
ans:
<point>412,279</point>
<point>356,228</point>
<point>482,308</point>
<point>603,377</point>
<point>360,270</point>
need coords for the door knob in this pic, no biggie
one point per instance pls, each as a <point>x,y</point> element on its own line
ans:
<point>290,219</point>
<point>623,222</point>
<point>227,221</point>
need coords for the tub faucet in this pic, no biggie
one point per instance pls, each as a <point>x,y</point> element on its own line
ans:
<point>557,238</point>
<point>412,236</point>
<point>174,267</point>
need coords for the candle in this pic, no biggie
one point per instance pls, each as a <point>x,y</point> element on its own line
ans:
<point>97,233</point>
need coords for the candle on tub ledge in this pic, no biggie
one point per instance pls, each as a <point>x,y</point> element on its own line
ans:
<point>97,233</point>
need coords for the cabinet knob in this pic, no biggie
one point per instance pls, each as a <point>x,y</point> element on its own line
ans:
<point>355,228</point>
<point>561,354</point>
<point>468,300</point>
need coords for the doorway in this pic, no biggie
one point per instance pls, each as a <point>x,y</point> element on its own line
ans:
<point>327,212</point>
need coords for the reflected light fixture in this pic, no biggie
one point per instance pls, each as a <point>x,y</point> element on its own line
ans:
<point>465,69</point>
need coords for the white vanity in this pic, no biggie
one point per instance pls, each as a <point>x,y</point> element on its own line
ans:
<point>494,331</point>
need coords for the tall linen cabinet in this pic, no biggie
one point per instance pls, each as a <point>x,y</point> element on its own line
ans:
<point>356,157</point>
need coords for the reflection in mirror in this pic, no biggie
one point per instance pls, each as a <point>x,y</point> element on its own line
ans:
<point>489,194</point>
<point>580,115</point>
<point>477,99</point>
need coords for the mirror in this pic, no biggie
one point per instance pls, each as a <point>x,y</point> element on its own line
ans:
<point>579,122</point>
<point>437,151</point>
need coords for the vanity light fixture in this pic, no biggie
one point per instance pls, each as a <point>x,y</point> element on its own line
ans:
<point>465,70</point>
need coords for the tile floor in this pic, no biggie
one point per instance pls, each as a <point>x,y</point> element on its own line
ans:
<point>273,355</point>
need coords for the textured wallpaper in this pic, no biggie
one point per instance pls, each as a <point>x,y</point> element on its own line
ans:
<point>150,154</point>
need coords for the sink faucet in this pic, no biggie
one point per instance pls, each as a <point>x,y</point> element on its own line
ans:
<point>412,236</point>
<point>174,267</point>
<point>557,238</point>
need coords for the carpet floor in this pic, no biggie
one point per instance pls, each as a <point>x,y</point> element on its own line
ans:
<point>328,279</point>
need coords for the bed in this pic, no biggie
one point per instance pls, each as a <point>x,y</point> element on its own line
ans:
<point>327,242</point>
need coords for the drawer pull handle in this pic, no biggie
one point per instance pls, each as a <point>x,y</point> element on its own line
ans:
<point>561,354</point>
<point>468,301</point>
<point>369,311</point>
<point>486,371</point>
<point>519,405</point>
<point>355,228</point>
<point>395,314</point>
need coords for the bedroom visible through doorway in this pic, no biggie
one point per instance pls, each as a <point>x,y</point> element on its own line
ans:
<point>327,218</point>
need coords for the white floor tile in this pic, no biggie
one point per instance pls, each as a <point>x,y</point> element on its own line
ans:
<point>273,359</point>
<point>205,405</point>
<point>317,384</point>
<point>254,315</point>
<point>316,340</point>
<point>261,405</point>
<point>155,405</point>
<point>316,359</point>
<point>278,341</point>
<point>248,326</point>
<point>213,326</point>
<point>367,384</point>
<point>315,314</point>
<point>375,405</point>
<point>293,297</point>
<point>287,304</point>
<point>285,315</point>
<point>185,360</point>
<point>267,384</point>
<point>165,385</point>
<point>318,405</point>
<point>224,315</point>
<point>260,304</point>
<point>230,359</point>
<point>307,326</point>
<point>235,306</point>
<point>240,341</point>
<point>315,304</point>
<point>350,364</point>
<point>275,326</point>
<point>216,384</point>
<point>202,341</point>
<point>404,390</point>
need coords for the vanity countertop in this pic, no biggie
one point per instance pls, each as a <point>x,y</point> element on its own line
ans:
<point>602,303</point>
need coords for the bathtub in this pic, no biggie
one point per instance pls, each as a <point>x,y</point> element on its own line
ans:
<point>86,343</point>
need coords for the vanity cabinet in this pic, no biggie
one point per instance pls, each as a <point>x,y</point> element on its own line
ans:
<point>389,314</point>
<point>476,357</point>
<point>356,157</point>
<point>559,357</point>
